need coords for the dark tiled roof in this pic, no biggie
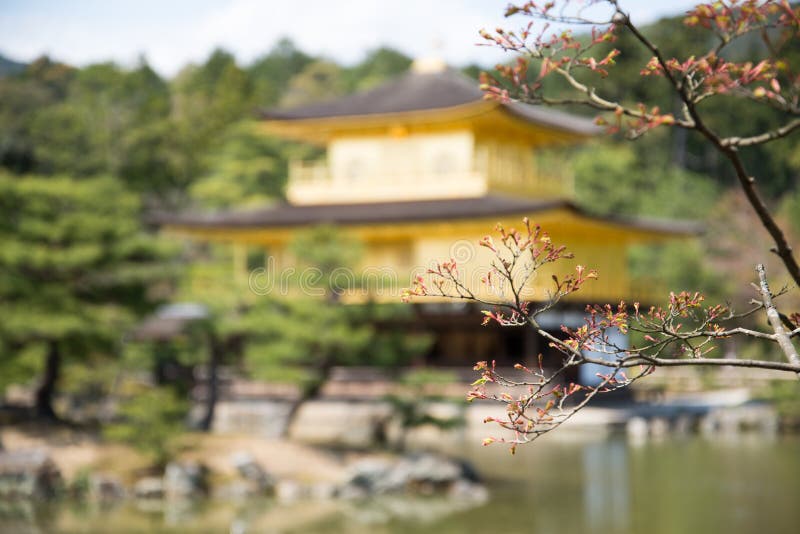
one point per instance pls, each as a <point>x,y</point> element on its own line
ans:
<point>372,212</point>
<point>410,92</point>
<point>282,215</point>
<point>416,91</point>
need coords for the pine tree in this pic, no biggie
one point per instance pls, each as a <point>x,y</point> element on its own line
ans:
<point>77,270</point>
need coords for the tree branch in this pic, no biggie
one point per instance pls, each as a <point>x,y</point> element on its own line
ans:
<point>639,360</point>
<point>748,183</point>
<point>765,137</point>
<point>782,338</point>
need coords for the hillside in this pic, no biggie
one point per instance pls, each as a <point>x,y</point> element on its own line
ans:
<point>9,66</point>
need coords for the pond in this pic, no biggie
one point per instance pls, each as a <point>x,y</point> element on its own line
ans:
<point>730,486</point>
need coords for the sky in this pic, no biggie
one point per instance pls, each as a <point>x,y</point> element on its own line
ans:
<point>172,33</point>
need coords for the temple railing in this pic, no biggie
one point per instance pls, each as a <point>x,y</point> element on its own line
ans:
<point>313,182</point>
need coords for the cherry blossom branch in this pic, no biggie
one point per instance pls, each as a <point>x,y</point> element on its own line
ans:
<point>729,147</point>
<point>694,79</point>
<point>678,334</point>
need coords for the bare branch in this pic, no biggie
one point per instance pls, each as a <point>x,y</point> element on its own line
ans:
<point>765,137</point>
<point>697,362</point>
<point>783,339</point>
<point>748,184</point>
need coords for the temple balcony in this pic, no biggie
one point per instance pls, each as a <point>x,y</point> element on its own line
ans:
<point>314,182</point>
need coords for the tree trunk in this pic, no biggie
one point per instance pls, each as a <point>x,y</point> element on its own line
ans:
<point>215,351</point>
<point>323,372</point>
<point>47,388</point>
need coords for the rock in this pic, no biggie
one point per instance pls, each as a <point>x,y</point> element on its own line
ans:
<point>423,472</point>
<point>235,490</point>
<point>423,511</point>
<point>435,468</point>
<point>185,479</point>
<point>659,428</point>
<point>719,422</point>
<point>264,418</point>
<point>253,473</point>
<point>238,526</point>
<point>323,491</point>
<point>468,491</point>
<point>356,425</point>
<point>730,421</point>
<point>254,480</point>
<point>636,430</point>
<point>290,491</point>
<point>420,473</point>
<point>368,475</point>
<point>150,506</point>
<point>758,417</point>
<point>105,488</point>
<point>683,425</point>
<point>29,474</point>
<point>178,512</point>
<point>149,488</point>
<point>352,492</point>
<point>768,424</point>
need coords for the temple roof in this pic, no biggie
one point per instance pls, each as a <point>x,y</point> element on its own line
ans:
<point>283,215</point>
<point>427,91</point>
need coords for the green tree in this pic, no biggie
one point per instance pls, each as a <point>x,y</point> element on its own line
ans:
<point>151,419</point>
<point>219,335</point>
<point>206,99</point>
<point>105,124</point>
<point>42,83</point>
<point>77,270</point>
<point>688,149</point>
<point>377,67</point>
<point>279,324</point>
<point>610,179</point>
<point>272,72</point>
<point>269,335</point>
<point>320,80</point>
<point>246,168</point>
<point>311,330</point>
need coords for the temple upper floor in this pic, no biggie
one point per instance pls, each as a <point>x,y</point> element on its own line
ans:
<point>421,166</point>
<point>429,134</point>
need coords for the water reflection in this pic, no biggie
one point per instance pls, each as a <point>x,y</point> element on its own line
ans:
<point>606,487</point>
<point>675,486</point>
